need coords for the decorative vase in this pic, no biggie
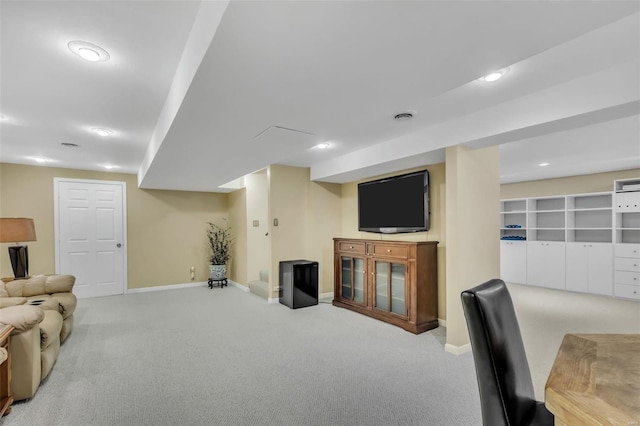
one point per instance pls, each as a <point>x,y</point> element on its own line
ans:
<point>217,272</point>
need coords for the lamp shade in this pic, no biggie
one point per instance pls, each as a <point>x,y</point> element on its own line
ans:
<point>14,230</point>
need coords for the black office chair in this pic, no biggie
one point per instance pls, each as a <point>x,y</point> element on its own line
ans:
<point>504,378</point>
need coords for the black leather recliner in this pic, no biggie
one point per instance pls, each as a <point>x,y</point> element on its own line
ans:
<point>504,378</point>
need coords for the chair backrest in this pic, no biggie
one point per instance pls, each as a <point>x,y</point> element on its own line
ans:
<point>504,378</point>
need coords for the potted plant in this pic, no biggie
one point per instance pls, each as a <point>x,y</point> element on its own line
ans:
<point>220,239</point>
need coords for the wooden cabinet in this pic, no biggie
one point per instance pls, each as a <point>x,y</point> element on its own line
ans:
<point>6,397</point>
<point>393,281</point>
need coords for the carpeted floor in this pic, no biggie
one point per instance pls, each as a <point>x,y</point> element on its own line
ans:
<point>225,357</point>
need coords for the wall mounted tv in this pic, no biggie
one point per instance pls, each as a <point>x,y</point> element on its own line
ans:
<point>395,204</point>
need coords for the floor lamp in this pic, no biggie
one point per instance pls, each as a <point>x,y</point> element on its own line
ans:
<point>14,230</point>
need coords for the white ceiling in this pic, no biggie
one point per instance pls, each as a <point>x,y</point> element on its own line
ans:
<point>199,94</point>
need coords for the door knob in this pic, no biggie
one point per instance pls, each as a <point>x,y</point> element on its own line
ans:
<point>118,245</point>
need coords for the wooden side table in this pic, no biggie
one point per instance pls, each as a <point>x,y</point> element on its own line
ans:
<point>6,398</point>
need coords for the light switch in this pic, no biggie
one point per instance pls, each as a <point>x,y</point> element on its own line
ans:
<point>275,222</point>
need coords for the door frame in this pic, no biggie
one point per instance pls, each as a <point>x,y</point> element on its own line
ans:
<point>56,222</point>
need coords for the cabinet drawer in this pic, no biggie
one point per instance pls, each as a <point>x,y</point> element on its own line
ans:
<point>351,247</point>
<point>628,250</point>
<point>628,291</point>
<point>624,277</point>
<point>627,264</point>
<point>389,250</point>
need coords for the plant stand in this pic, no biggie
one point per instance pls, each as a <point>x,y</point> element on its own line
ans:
<point>219,282</point>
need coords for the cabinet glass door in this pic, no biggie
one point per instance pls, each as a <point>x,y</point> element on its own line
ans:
<point>382,285</point>
<point>352,279</point>
<point>397,289</point>
<point>390,283</point>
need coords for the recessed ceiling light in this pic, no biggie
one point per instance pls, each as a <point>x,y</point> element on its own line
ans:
<point>494,76</point>
<point>543,164</point>
<point>88,51</point>
<point>403,116</point>
<point>102,132</point>
<point>110,166</point>
<point>323,145</point>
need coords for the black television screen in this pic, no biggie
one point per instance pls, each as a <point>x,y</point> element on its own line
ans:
<point>395,204</point>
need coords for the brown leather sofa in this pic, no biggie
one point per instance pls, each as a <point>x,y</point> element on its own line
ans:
<point>41,310</point>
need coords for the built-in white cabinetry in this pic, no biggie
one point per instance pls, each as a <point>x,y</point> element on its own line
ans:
<point>627,271</point>
<point>513,220</point>
<point>586,243</point>
<point>589,218</point>
<point>513,261</point>
<point>627,237</point>
<point>546,264</point>
<point>546,219</point>
<point>589,267</point>
<point>627,211</point>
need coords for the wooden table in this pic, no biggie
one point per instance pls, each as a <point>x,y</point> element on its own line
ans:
<point>6,398</point>
<point>595,380</point>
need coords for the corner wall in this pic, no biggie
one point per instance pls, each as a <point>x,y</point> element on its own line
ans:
<point>238,222</point>
<point>308,215</point>
<point>166,229</point>
<point>473,223</point>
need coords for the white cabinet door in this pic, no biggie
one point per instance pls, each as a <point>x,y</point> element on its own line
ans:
<point>590,268</point>
<point>578,267</point>
<point>601,268</point>
<point>546,264</point>
<point>513,261</point>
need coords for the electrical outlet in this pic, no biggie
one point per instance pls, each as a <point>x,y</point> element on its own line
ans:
<point>193,269</point>
<point>256,223</point>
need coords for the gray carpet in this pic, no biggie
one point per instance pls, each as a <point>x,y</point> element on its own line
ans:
<point>225,357</point>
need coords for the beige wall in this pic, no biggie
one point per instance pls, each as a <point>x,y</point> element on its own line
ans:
<point>238,222</point>
<point>308,216</point>
<point>165,229</point>
<point>258,239</point>
<point>597,182</point>
<point>473,222</point>
<point>349,207</point>
<point>324,224</point>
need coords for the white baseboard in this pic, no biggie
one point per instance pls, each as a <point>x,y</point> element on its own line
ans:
<point>326,295</point>
<point>442,323</point>
<point>457,350</point>
<point>167,287</point>
<point>238,285</point>
<point>273,300</point>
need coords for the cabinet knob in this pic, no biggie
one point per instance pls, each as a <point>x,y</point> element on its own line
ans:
<point>350,247</point>
<point>388,250</point>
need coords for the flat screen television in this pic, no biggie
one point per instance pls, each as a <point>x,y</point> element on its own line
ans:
<point>395,204</point>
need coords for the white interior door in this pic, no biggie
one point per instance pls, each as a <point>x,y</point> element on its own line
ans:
<point>90,235</point>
